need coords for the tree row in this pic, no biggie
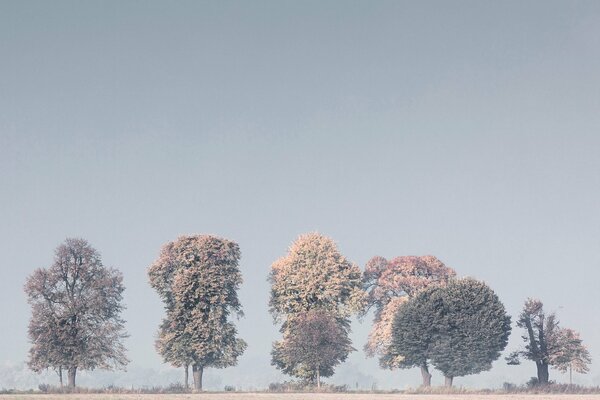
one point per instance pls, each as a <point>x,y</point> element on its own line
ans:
<point>424,316</point>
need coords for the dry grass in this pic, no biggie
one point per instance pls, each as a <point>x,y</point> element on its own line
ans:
<point>297,396</point>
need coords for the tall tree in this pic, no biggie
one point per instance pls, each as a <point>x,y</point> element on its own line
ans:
<point>198,278</point>
<point>460,328</point>
<point>314,342</point>
<point>547,344</point>
<point>76,313</point>
<point>389,284</point>
<point>313,275</point>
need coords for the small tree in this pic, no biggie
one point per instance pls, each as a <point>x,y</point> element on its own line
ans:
<point>547,344</point>
<point>573,355</point>
<point>198,277</point>
<point>312,276</point>
<point>388,284</point>
<point>314,342</point>
<point>76,306</point>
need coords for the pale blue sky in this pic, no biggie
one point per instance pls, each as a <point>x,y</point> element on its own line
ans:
<point>469,130</point>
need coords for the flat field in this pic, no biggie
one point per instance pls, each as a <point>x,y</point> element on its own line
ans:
<point>297,396</point>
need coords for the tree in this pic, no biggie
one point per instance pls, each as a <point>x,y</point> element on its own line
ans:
<point>197,278</point>
<point>312,276</point>
<point>461,328</point>
<point>388,285</point>
<point>472,329</point>
<point>411,336</point>
<point>547,344</point>
<point>314,342</point>
<point>76,313</point>
<point>573,355</point>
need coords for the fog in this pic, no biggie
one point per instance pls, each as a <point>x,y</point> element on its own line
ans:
<point>467,130</point>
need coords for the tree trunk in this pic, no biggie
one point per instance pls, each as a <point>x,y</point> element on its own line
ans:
<point>71,376</point>
<point>60,376</point>
<point>197,371</point>
<point>542,372</point>
<point>426,376</point>
<point>318,379</point>
<point>570,374</point>
<point>187,386</point>
<point>448,381</point>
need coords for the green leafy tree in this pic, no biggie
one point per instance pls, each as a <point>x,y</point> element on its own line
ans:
<point>197,278</point>
<point>76,313</point>
<point>314,342</point>
<point>389,283</point>
<point>472,329</point>
<point>313,275</point>
<point>412,336</point>
<point>460,328</point>
<point>547,344</point>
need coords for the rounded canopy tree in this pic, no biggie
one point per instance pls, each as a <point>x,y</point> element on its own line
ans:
<point>313,342</point>
<point>198,277</point>
<point>473,328</point>
<point>460,328</point>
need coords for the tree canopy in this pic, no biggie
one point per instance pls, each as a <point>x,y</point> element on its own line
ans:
<point>314,274</point>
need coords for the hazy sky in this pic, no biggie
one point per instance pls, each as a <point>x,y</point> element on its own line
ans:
<point>469,130</point>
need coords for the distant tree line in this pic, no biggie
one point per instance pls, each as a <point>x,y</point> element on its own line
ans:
<point>423,315</point>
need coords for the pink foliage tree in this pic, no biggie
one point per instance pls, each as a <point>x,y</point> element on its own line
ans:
<point>388,285</point>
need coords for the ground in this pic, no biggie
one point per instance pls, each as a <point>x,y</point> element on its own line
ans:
<point>294,396</point>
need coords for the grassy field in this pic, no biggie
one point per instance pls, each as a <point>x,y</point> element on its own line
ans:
<point>295,396</point>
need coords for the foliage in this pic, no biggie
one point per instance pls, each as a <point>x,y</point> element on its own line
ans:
<point>302,386</point>
<point>571,353</point>
<point>461,328</point>
<point>412,333</point>
<point>314,342</point>
<point>197,278</point>
<point>533,387</point>
<point>547,344</point>
<point>472,328</point>
<point>380,335</point>
<point>76,306</point>
<point>388,284</point>
<point>313,275</point>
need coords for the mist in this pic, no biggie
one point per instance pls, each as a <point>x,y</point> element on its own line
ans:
<point>465,130</point>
